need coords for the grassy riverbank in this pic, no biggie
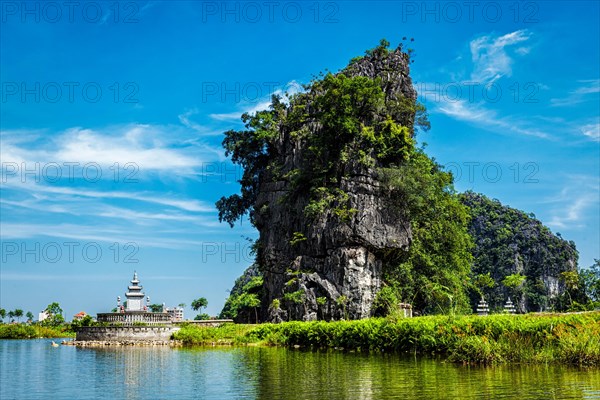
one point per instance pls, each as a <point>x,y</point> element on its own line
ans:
<point>533,338</point>
<point>22,331</point>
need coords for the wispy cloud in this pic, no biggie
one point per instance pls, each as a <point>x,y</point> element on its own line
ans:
<point>582,93</point>
<point>575,202</point>
<point>151,148</point>
<point>183,204</point>
<point>186,119</point>
<point>488,119</point>
<point>290,88</point>
<point>591,131</point>
<point>490,55</point>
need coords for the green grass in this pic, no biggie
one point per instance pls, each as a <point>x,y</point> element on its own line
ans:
<point>532,338</point>
<point>23,331</point>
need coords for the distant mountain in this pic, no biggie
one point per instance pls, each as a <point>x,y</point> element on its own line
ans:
<point>509,241</point>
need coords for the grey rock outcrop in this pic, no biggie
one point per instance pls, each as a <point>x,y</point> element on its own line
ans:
<point>333,269</point>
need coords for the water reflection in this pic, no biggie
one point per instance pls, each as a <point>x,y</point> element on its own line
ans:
<point>335,375</point>
<point>34,370</point>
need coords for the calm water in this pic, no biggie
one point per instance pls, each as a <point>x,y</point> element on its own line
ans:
<point>32,369</point>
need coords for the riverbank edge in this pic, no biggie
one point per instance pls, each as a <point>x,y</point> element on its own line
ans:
<point>531,338</point>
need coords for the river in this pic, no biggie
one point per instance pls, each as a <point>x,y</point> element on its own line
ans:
<point>33,369</point>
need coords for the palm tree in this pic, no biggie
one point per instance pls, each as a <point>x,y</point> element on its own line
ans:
<point>29,316</point>
<point>18,314</point>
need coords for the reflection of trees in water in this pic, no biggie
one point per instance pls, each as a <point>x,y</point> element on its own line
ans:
<point>337,375</point>
<point>275,373</point>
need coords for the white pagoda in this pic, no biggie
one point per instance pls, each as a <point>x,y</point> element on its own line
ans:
<point>135,297</point>
<point>135,311</point>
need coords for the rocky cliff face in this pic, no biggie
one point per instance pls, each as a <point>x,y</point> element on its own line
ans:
<point>330,267</point>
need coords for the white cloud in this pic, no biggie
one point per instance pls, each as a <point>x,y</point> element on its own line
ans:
<point>150,148</point>
<point>490,57</point>
<point>183,204</point>
<point>487,119</point>
<point>578,95</point>
<point>592,131</point>
<point>185,119</point>
<point>290,88</point>
<point>573,205</point>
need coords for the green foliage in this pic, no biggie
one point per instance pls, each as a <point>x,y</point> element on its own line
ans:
<point>590,281</point>
<point>32,331</point>
<point>202,317</point>
<point>433,275</point>
<point>29,316</point>
<point>225,334</point>
<point>244,299</point>
<point>294,297</point>
<point>513,281</point>
<point>386,302</point>
<point>54,309</point>
<point>199,303</point>
<point>483,282</point>
<point>572,339</point>
<point>297,237</point>
<point>156,307</point>
<point>55,315</point>
<point>355,121</point>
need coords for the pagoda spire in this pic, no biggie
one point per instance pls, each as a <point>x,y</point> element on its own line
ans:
<point>135,296</point>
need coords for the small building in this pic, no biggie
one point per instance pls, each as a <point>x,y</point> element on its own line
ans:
<point>79,316</point>
<point>43,315</point>
<point>176,314</point>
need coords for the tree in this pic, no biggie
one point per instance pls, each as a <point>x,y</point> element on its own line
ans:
<point>54,309</point>
<point>55,317</point>
<point>18,314</point>
<point>590,281</point>
<point>199,304</point>
<point>514,283</point>
<point>156,307</point>
<point>29,316</point>
<point>483,282</point>
<point>342,301</point>
<point>250,300</point>
<point>202,317</point>
<point>571,282</point>
<point>181,305</point>
<point>11,316</point>
<point>2,314</point>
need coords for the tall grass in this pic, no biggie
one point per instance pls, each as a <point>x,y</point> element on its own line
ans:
<point>533,338</point>
<point>573,338</point>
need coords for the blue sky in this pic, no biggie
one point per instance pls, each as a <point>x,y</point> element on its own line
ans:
<point>112,115</point>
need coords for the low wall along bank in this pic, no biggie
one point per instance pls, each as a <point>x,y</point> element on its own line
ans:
<point>125,333</point>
